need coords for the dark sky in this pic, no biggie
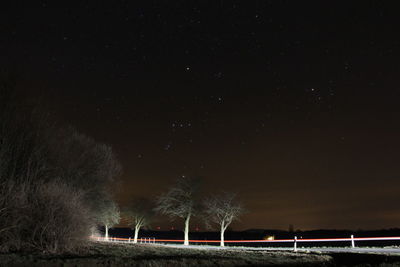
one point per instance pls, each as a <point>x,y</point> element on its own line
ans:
<point>292,104</point>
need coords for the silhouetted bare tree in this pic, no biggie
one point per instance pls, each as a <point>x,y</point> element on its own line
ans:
<point>86,164</point>
<point>109,215</point>
<point>24,165</point>
<point>138,214</point>
<point>52,182</point>
<point>181,201</point>
<point>222,210</point>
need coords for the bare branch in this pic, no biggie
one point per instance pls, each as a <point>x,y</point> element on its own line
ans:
<point>181,199</point>
<point>138,213</point>
<point>223,209</point>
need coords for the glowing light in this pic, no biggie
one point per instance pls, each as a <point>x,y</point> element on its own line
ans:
<point>269,237</point>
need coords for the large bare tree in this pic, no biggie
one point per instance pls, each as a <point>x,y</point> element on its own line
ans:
<point>181,201</point>
<point>86,164</point>
<point>109,216</point>
<point>138,214</point>
<point>222,210</point>
<point>90,166</point>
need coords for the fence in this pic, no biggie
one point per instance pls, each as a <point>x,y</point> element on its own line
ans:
<point>142,240</point>
<point>351,240</point>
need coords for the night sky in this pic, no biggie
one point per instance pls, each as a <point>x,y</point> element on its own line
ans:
<point>294,105</point>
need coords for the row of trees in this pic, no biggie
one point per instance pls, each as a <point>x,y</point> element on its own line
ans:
<point>54,180</point>
<point>183,201</point>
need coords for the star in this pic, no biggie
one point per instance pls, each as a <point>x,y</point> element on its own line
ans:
<point>168,146</point>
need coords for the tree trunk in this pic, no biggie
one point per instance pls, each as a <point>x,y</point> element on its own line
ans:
<point>137,229</point>
<point>222,236</point>
<point>187,230</point>
<point>106,232</point>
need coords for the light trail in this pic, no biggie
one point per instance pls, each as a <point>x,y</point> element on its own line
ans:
<point>299,240</point>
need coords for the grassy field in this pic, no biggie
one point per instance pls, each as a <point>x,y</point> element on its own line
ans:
<point>114,254</point>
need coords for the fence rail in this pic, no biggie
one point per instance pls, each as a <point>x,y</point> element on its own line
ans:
<point>295,240</point>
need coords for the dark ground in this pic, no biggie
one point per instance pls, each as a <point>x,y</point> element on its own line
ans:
<point>114,254</point>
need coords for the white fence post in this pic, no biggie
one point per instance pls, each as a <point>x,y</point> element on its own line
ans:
<point>352,241</point>
<point>129,241</point>
<point>295,244</point>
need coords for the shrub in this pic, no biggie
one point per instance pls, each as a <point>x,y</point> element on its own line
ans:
<point>48,217</point>
<point>51,180</point>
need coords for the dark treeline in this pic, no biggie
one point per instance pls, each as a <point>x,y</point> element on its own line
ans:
<point>54,181</point>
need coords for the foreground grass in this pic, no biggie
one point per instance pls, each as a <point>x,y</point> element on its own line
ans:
<point>114,254</point>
